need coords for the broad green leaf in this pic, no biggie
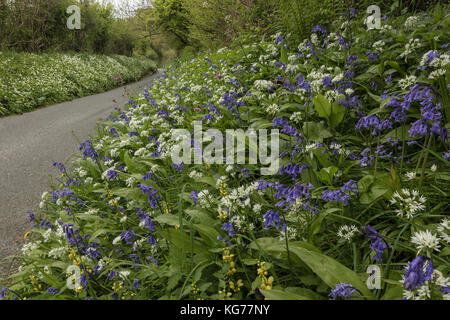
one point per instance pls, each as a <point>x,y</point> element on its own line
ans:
<point>337,115</point>
<point>169,219</point>
<point>322,106</point>
<point>275,294</point>
<point>329,270</point>
<point>365,183</point>
<point>209,234</point>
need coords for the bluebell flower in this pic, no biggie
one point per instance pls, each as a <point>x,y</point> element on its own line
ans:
<point>388,79</point>
<point>343,290</point>
<point>446,155</point>
<point>272,218</point>
<point>327,83</point>
<point>52,290</point>
<point>88,150</point>
<point>31,215</point>
<point>194,196</point>
<point>417,272</point>
<point>319,28</point>
<point>112,174</point>
<point>228,226</point>
<point>113,275</point>
<point>150,176</point>
<point>151,192</point>
<point>280,39</point>
<point>3,292</point>
<point>292,170</point>
<point>227,242</point>
<point>377,242</point>
<point>373,55</point>
<point>366,159</point>
<point>60,166</point>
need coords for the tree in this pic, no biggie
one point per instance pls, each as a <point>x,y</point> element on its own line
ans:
<point>173,18</point>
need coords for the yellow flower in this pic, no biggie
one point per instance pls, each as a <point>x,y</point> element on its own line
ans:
<point>223,216</point>
<point>26,235</point>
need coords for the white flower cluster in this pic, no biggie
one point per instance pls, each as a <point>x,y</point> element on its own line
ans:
<point>29,247</point>
<point>263,84</point>
<point>407,82</point>
<point>347,232</point>
<point>411,47</point>
<point>409,202</point>
<point>379,45</point>
<point>273,109</point>
<point>444,230</point>
<point>205,199</point>
<point>195,175</point>
<point>291,233</point>
<point>425,240</point>
<point>411,21</point>
<point>424,291</point>
<point>296,117</point>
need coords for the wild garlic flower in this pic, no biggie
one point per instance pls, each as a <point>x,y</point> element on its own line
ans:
<point>410,47</point>
<point>411,21</point>
<point>291,233</point>
<point>425,240</point>
<point>409,202</point>
<point>273,109</point>
<point>262,84</point>
<point>410,175</point>
<point>195,175</point>
<point>205,198</point>
<point>347,232</point>
<point>444,230</point>
<point>296,117</point>
<point>407,82</point>
<point>379,45</point>
<point>131,182</point>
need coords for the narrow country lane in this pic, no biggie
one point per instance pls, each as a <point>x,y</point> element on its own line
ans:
<point>30,143</point>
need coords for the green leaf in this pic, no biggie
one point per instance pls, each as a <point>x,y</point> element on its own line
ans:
<point>99,232</point>
<point>365,183</point>
<point>284,56</point>
<point>131,193</point>
<point>337,115</point>
<point>322,106</point>
<point>275,294</point>
<point>305,292</point>
<point>314,229</point>
<point>200,216</point>
<point>315,131</point>
<point>393,293</point>
<point>327,174</point>
<point>179,239</point>
<point>169,219</point>
<point>209,234</point>
<point>329,270</point>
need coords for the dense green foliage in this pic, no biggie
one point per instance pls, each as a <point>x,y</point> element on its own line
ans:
<point>28,81</point>
<point>215,23</point>
<point>40,25</point>
<point>363,117</point>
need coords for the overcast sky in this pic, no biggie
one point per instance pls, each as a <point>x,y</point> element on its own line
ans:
<point>121,4</point>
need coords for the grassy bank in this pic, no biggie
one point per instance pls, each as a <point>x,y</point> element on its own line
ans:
<point>363,120</point>
<point>29,81</point>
